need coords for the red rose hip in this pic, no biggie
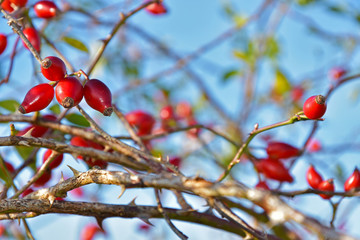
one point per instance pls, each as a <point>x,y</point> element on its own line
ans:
<point>280,150</point>
<point>53,68</point>
<point>143,121</point>
<point>33,37</point>
<point>37,98</point>
<point>19,3</point>
<point>98,96</point>
<point>315,107</point>
<point>45,9</point>
<point>327,185</point>
<point>353,181</point>
<point>156,8</point>
<point>6,5</point>
<point>56,162</point>
<point>3,43</point>
<point>69,92</point>
<point>274,170</point>
<point>313,177</point>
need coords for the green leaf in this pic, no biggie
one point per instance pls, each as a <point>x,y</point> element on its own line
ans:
<point>77,119</point>
<point>55,109</point>
<point>10,105</point>
<point>281,83</point>
<point>76,44</point>
<point>23,151</point>
<point>229,74</point>
<point>272,48</point>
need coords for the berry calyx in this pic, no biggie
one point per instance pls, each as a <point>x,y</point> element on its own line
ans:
<point>280,150</point>
<point>327,185</point>
<point>3,43</point>
<point>353,181</point>
<point>274,170</point>
<point>143,121</point>
<point>156,8</point>
<point>45,9</point>
<point>53,68</point>
<point>33,37</point>
<point>315,107</point>
<point>56,162</point>
<point>313,177</point>
<point>69,92</point>
<point>37,98</point>
<point>98,96</point>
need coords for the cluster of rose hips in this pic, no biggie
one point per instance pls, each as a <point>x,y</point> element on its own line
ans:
<point>316,181</point>
<point>69,90</point>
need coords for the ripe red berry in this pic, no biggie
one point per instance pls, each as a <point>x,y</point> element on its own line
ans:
<point>45,9</point>
<point>19,3</point>
<point>27,192</point>
<point>37,98</point>
<point>45,177</point>
<point>353,181</point>
<point>69,92</point>
<point>6,5</point>
<point>3,43</point>
<point>315,107</point>
<point>33,37</point>
<point>183,110</point>
<point>280,150</point>
<point>336,73</point>
<point>274,170</point>
<point>297,93</point>
<point>53,68</point>
<point>9,167</point>
<point>167,113</point>
<point>156,8</point>
<point>176,161</point>
<point>38,131</point>
<point>313,177</point>
<point>56,162</point>
<point>327,185</point>
<point>262,185</point>
<point>98,96</point>
<point>314,145</point>
<point>143,121</point>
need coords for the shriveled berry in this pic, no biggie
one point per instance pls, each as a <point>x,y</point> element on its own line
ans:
<point>45,9</point>
<point>313,177</point>
<point>56,162</point>
<point>19,3</point>
<point>156,8</point>
<point>3,43</point>
<point>6,5</point>
<point>143,121</point>
<point>33,37</point>
<point>353,181</point>
<point>281,150</point>
<point>98,96</point>
<point>37,98</point>
<point>53,68</point>
<point>315,107</point>
<point>274,170</point>
<point>69,92</point>
<point>45,177</point>
<point>327,185</point>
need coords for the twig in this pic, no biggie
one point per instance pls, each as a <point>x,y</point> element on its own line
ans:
<point>12,59</point>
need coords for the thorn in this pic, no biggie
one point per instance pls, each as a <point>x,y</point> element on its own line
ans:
<point>62,177</point>
<point>75,172</point>
<point>99,221</point>
<point>132,203</point>
<point>122,191</point>
<point>146,220</point>
<point>24,143</point>
<point>129,171</point>
<point>209,211</point>
<point>51,199</point>
<point>28,133</point>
